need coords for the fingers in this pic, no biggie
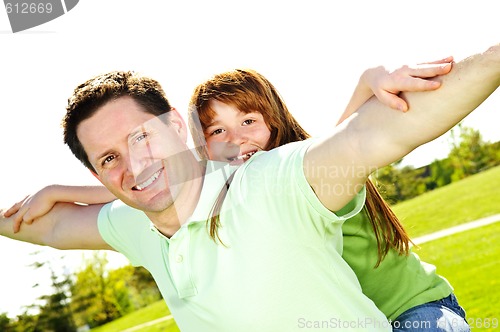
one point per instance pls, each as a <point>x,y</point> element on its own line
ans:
<point>14,208</point>
<point>19,218</point>
<point>393,101</point>
<point>429,70</point>
<point>16,225</point>
<point>415,78</point>
<point>28,218</point>
<point>418,84</point>
<point>444,60</point>
<point>387,85</point>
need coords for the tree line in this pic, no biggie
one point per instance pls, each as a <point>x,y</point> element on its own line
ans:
<point>469,154</point>
<point>93,296</point>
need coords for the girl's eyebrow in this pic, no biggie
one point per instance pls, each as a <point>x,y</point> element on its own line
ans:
<point>213,123</point>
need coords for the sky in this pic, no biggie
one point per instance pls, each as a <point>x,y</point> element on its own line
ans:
<point>313,52</point>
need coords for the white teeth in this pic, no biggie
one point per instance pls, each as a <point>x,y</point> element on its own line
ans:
<point>244,156</point>
<point>146,183</point>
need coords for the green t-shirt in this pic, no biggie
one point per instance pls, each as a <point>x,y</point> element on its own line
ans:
<point>279,267</point>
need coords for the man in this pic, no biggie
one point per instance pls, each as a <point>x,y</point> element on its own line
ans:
<point>266,273</point>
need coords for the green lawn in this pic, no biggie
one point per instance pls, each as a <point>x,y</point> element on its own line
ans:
<point>154,311</point>
<point>469,260</point>
<point>471,263</point>
<point>472,198</point>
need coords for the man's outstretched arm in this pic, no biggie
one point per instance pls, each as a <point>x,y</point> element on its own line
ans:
<point>66,226</point>
<point>376,135</point>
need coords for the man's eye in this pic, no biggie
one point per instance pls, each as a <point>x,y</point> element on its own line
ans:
<point>108,159</point>
<point>141,137</point>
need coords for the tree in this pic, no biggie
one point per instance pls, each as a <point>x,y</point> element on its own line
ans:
<point>398,184</point>
<point>469,153</point>
<point>26,323</point>
<point>93,298</point>
<point>440,173</point>
<point>53,310</point>
<point>56,315</point>
<point>4,322</point>
<point>101,295</point>
<point>142,287</point>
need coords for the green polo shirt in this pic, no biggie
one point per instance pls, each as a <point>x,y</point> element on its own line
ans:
<point>279,267</point>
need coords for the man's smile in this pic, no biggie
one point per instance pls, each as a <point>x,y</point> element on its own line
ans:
<point>148,182</point>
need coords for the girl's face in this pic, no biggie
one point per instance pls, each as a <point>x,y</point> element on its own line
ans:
<point>234,136</point>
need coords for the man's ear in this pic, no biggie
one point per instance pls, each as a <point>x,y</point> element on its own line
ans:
<point>95,175</point>
<point>178,123</point>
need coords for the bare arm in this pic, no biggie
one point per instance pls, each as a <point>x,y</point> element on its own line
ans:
<point>35,206</point>
<point>377,135</point>
<point>66,226</point>
<point>81,194</point>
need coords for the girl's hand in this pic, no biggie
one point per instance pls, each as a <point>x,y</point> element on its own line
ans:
<point>30,208</point>
<point>386,85</point>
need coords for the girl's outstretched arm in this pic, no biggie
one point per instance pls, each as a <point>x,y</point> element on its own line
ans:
<point>39,204</point>
<point>65,226</point>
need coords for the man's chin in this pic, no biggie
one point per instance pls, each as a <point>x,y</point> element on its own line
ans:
<point>143,206</point>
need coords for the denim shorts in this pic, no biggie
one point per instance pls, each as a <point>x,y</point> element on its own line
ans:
<point>442,315</point>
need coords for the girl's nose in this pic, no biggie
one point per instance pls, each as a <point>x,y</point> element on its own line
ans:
<point>237,137</point>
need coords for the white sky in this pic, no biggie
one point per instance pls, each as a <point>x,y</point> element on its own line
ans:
<point>312,51</point>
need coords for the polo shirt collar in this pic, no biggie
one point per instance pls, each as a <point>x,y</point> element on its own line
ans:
<point>216,175</point>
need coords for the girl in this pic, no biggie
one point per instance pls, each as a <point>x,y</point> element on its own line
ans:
<point>241,113</point>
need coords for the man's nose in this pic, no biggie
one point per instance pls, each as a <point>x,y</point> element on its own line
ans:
<point>138,160</point>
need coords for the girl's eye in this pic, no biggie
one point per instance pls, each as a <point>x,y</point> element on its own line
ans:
<point>216,132</point>
<point>248,122</point>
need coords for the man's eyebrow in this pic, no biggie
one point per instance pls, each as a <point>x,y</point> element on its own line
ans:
<point>136,131</point>
<point>104,154</point>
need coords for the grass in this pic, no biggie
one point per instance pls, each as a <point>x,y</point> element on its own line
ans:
<point>469,260</point>
<point>471,263</point>
<point>152,312</point>
<point>472,198</point>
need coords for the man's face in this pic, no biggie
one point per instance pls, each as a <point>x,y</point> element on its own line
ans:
<point>141,159</point>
